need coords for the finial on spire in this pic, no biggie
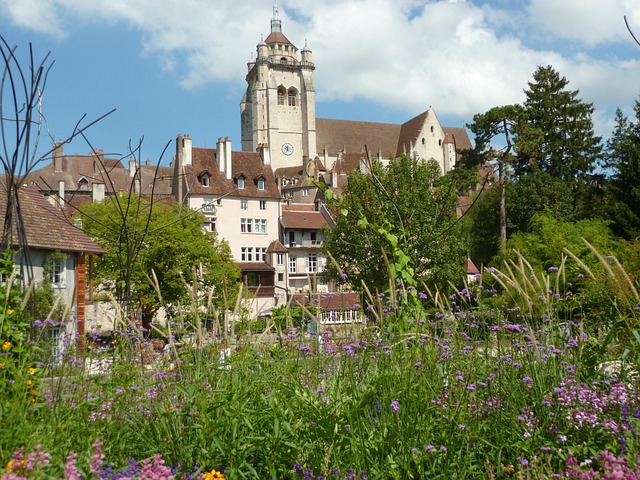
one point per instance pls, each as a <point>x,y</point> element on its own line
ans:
<point>276,24</point>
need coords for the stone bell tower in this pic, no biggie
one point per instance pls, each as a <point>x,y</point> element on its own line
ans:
<point>278,107</point>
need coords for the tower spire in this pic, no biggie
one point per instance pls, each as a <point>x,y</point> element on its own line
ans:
<point>276,24</point>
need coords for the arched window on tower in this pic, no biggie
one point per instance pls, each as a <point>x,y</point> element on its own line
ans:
<point>292,94</point>
<point>283,60</point>
<point>282,94</point>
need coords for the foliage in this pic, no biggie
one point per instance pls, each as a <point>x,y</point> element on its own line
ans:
<point>140,237</point>
<point>400,216</point>
<point>286,316</point>
<point>623,162</point>
<point>559,139</point>
<point>552,165</point>
<point>545,244</point>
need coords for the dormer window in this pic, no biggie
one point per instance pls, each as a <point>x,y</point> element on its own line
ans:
<point>260,183</point>
<point>83,184</point>
<point>205,178</point>
<point>241,182</point>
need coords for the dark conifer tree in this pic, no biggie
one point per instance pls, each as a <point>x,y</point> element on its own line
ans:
<point>623,164</point>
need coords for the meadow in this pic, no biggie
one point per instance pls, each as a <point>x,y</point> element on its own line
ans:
<point>516,375</point>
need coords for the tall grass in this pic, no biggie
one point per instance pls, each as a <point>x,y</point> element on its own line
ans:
<point>501,379</point>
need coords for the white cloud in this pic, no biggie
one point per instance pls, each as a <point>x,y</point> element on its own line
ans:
<point>37,15</point>
<point>590,22</point>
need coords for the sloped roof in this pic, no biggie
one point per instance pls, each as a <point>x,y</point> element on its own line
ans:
<point>409,132</point>
<point>111,172</point>
<point>353,135</point>
<point>302,218</point>
<point>277,37</point>
<point>255,267</point>
<point>45,226</point>
<point>249,164</point>
<point>460,137</point>
<point>330,301</point>
<point>389,139</point>
<point>276,247</point>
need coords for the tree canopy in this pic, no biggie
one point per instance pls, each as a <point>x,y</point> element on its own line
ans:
<point>405,210</point>
<point>623,163</point>
<point>549,153</point>
<point>141,237</point>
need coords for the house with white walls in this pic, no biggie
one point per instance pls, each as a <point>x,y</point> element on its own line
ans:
<point>237,193</point>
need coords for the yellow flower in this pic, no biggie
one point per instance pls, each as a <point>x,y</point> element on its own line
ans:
<point>14,466</point>
<point>6,345</point>
<point>29,382</point>
<point>1,365</point>
<point>9,311</point>
<point>62,426</point>
<point>32,371</point>
<point>213,475</point>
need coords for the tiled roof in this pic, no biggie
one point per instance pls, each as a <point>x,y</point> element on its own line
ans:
<point>348,163</point>
<point>303,220</point>
<point>276,247</point>
<point>389,139</point>
<point>409,133</point>
<point>255,266</point>
<point>470,267</point>
<point>46,227</point>
<point>352,136</point>
<point>249,164</point>
<point>113,174</point>
<point>276,37</point>
<point>460,137</point>
<point>330,301</point>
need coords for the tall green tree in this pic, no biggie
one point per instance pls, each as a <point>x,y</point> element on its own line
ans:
<point>546,153</point>
<point>405,210</point>
<point>560,138</point>
<point>141,237</point>
<point>623,164</point>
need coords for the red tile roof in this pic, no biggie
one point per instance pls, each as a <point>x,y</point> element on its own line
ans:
<point>249,164</point>
<point>46,227</point>
<point>389,139</point>
<point>303,220</point>
<point>329,301</point>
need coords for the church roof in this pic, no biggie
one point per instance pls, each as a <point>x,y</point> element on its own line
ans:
<point>460,137</point>
<point>277,37</point>
<point>352,136</point>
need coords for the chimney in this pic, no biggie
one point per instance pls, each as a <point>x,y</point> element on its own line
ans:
<point>228,158</point>
<point>265,153</point>
<point>97,192</point>
<point>188,152</point>
<point>61,193</point>
<point>334,179</point>
<point>363,166</point>
<point>98,161</point>
<point>133,166</point>
<point>57,157</point>
<point>220,155</point>
<point>147,162</point>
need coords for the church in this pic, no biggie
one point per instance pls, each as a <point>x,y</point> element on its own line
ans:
<point>278,110</point>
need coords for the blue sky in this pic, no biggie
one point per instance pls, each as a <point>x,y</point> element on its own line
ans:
<point>178,66</point>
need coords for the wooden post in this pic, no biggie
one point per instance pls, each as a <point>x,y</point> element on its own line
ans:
<point>80,298</point>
